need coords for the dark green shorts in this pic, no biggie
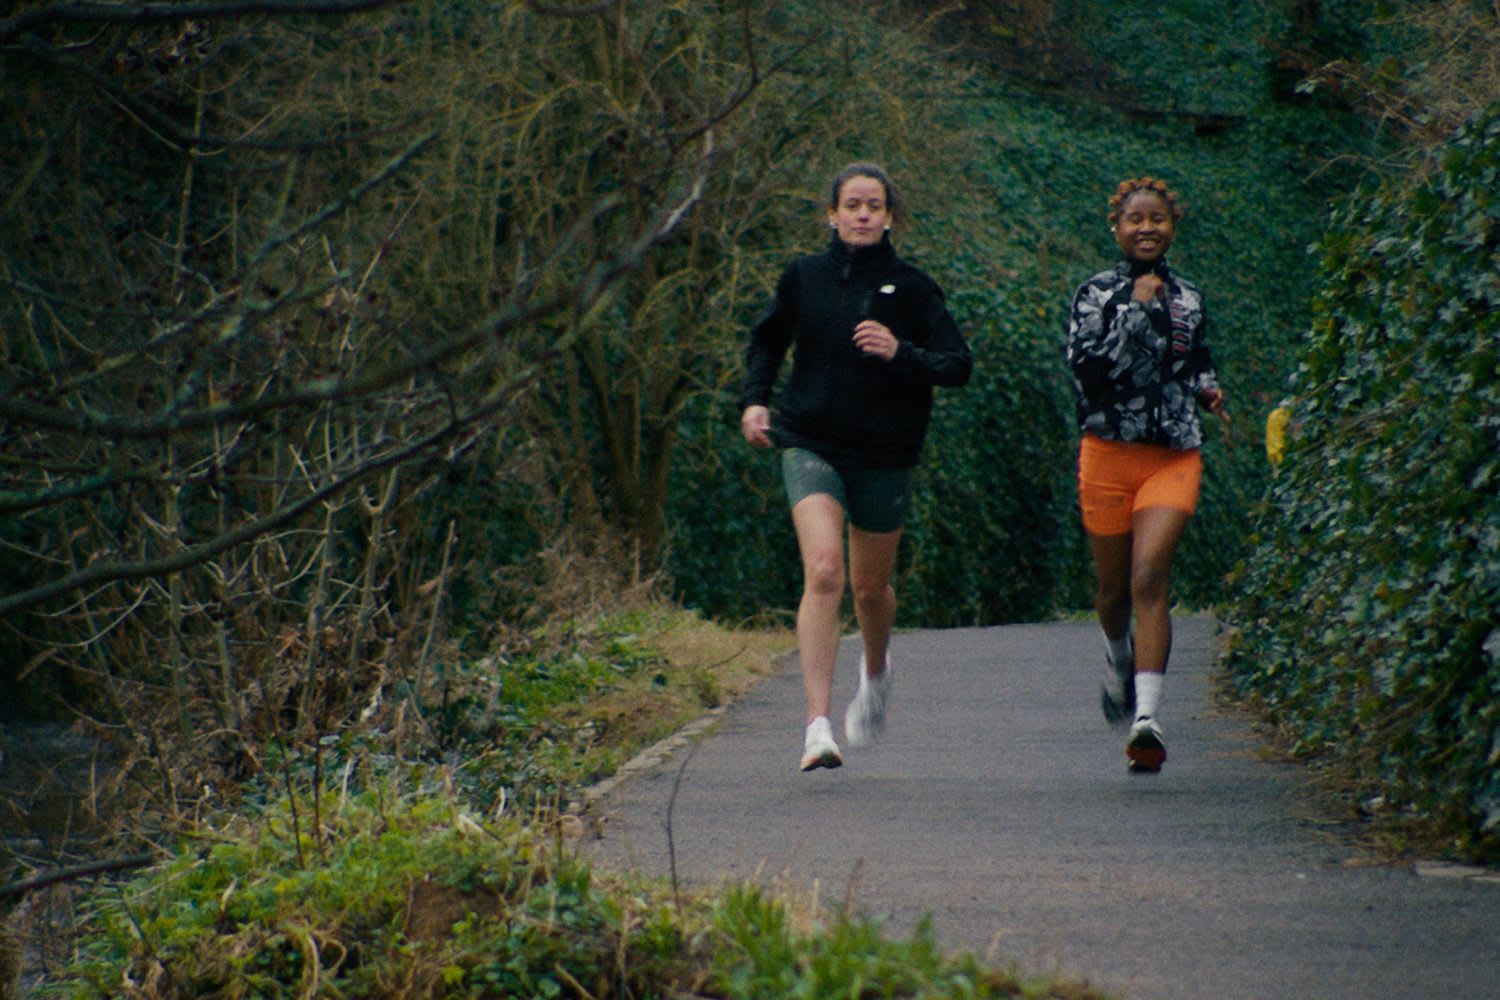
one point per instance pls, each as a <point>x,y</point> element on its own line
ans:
<point>873,499</point>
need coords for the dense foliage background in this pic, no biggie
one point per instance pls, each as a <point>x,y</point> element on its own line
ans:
<point>1368,615</point>
<point>359,363</point>
<point>1010,223</point>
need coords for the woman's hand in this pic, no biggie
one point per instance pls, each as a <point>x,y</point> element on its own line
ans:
<point>1214,400</point>
<point>876,338</point>
<point>754,423</point>
<point>1147,287</point>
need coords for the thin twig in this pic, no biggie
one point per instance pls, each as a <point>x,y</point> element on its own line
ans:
<point>671,806</point>
<point>567,977</point>
<point>851,889</point>
<point>554,10</point>
<point>318,799</point>
<point>291,798</point>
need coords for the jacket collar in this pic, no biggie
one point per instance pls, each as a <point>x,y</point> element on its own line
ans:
<point>859,259</point>
<point>1125,267</point>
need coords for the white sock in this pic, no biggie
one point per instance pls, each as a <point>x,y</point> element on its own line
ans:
<point>1147,692</point>
<point>1119,649</point>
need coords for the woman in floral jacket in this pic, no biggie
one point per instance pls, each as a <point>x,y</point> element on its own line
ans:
<point>1140,367</point>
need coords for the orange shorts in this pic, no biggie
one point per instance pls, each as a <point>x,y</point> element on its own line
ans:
<point>1118,478</point>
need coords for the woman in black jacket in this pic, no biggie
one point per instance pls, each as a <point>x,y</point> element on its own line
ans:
<point>871,337</point>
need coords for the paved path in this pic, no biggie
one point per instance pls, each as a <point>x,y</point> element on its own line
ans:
<point>999,804</point>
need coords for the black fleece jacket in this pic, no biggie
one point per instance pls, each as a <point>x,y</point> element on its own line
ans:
<point>855,410</point>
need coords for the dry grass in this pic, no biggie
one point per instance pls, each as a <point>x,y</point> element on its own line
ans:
<point>703,666</point>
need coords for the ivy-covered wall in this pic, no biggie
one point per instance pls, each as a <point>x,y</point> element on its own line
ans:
<point>1367,619</point>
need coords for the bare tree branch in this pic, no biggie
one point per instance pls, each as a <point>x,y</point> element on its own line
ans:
<point>12,501</point>
<point>190,556</point>
<point>74,872</point>
<point>590,287</point>
<point>587,290</point>
<point>160,13</point>
<point>557,10</point>
<point>204,146</point>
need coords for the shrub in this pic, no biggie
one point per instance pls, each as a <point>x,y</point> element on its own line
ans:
<point>1367,619</point>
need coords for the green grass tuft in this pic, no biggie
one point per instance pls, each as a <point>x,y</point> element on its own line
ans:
<point>402,891</point>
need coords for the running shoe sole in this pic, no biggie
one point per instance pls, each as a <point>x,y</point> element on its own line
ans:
<point>828,758</point>
<point>1145,753</point>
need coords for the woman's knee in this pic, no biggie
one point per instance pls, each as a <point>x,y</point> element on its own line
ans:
<point>868,591</point>
<point>1149,584</point>
<point>824,575</point>
<point>1112,595</point>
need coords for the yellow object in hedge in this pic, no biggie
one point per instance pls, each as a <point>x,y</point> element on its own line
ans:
<point>1276,423</point>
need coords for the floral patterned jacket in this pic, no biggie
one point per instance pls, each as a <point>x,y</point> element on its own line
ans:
<point>1138,370</point>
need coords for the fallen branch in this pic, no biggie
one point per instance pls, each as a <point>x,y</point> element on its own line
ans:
<point>73,873</point>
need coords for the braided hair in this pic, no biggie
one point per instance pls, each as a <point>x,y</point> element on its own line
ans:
<point>1129,187</point>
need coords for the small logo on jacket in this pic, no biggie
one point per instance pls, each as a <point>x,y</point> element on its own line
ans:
<point>887,289</point>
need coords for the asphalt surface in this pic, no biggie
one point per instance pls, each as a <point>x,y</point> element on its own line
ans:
<point>998,804</point>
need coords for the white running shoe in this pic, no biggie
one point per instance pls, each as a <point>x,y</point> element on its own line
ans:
<point>1146,750</point>
<point>818,748</point>
<point>864,720</point>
